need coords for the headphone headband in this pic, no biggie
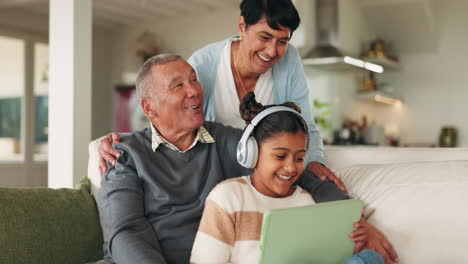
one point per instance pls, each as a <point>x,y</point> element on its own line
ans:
<point>264,113</point>
<point>244,155</point>
<point>269,111</point>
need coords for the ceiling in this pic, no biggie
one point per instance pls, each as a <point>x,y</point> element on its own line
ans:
<point>114,13</point>
<point>409,24</point>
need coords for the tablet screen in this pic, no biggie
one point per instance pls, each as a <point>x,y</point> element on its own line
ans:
<point>317,233</point>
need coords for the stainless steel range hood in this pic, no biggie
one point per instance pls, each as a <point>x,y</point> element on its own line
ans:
<point>326,53</point>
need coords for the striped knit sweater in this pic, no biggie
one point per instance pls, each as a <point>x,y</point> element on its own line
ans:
<point>231,224</point>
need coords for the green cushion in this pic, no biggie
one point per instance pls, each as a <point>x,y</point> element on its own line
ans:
<point>49,225</point>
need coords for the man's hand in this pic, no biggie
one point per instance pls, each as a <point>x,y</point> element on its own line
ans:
<point>107,152</point>
<point>324,173</point>
<point>366,236</point>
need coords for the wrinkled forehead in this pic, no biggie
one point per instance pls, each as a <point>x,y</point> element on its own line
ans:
<point>164,74</point>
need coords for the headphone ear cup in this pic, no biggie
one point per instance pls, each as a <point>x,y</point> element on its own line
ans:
<point>241,153</point>
<point>254,153</point>
<point>251,152</point>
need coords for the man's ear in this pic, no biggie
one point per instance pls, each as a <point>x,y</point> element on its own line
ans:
<point>241,26</point>
<point>146,105</point>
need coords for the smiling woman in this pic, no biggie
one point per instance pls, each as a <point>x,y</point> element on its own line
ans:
<point>245,63</point>
<point>260,60</point>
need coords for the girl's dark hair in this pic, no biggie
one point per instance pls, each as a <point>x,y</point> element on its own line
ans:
<point>276,12</point>
<point>278,122</point>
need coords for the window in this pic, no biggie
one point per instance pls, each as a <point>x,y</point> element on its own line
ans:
<point>12,76</point>
<point>41,96</point>
<point>24,76</point>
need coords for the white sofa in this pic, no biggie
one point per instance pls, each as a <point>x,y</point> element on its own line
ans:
<point>418,197</point>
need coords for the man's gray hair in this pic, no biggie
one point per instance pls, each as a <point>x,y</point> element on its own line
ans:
<point>144,77</point>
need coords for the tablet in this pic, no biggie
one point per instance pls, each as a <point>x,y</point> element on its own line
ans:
<point>309,234</point>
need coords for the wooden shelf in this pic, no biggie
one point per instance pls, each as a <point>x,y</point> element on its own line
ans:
<point>345,63</point>
<point>384,61</point>
<point>379,97</point>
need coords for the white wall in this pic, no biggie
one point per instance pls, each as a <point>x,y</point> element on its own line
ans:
<point>184,36</point>
<point>354,32</point>
<point>179,35</point>
<point>434,86</point>
<point>103,88</point>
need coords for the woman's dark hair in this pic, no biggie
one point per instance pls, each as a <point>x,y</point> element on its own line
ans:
<point>278,122</point>
<point>276,12</point>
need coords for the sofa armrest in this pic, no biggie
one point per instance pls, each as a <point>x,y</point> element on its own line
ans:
<point>44,225</point>
<point>93,165</point>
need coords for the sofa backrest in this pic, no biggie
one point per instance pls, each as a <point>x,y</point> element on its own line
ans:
<point>342,157</point>
<point>337,157</point>
<point>419,206</point>
<point>415,196</point>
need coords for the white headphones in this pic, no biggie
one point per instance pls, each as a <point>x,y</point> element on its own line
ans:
<point>247,148</point>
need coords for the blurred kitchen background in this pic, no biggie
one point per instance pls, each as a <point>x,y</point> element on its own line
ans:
<point>395,78</point>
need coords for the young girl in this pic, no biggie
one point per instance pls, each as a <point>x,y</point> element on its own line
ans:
<point>231,224</point>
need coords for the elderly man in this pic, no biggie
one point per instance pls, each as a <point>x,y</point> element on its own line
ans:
<point>151,201</point>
